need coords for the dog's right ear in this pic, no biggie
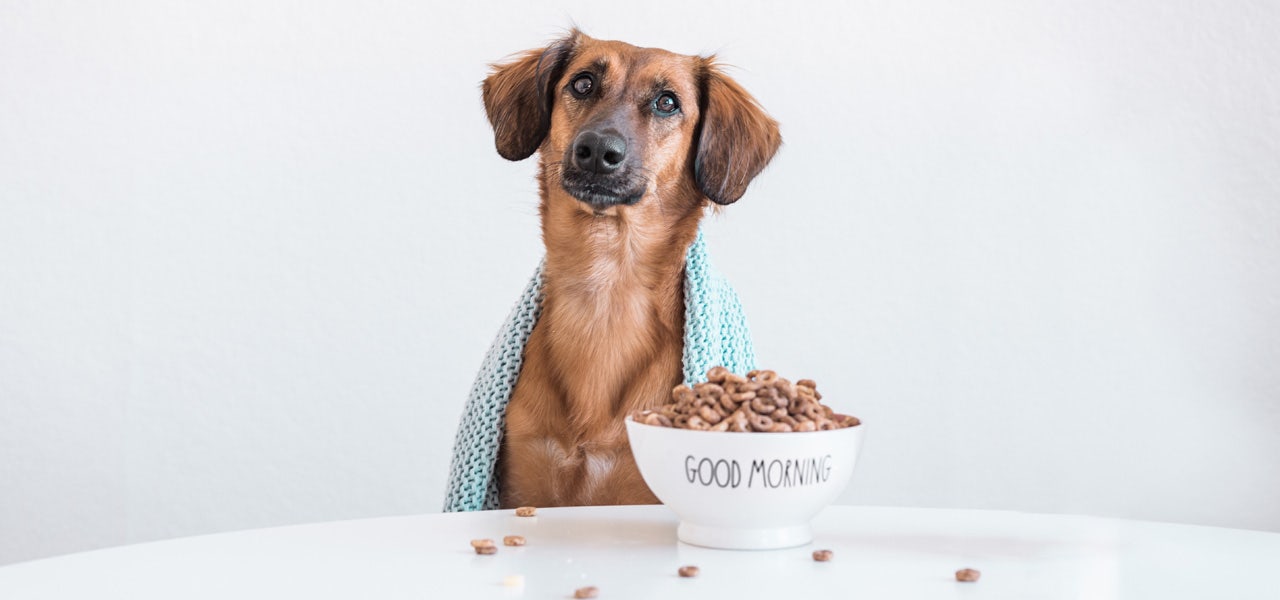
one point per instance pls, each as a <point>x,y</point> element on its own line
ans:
<point>736,137</point>
<point>518,96</point>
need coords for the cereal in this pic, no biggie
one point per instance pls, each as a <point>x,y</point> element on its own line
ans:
<point>586,592</point>
<point>822,555</point>
<point>526,511</point>
<point>688,571</point>
<point>760,401</point>
<point>513,540</point>
<point>484,546</point>
<point>968,575</point>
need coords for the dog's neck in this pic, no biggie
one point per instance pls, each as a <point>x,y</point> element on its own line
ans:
<point>614,295</point>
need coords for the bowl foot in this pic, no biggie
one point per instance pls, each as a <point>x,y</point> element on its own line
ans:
<point>737,538</point>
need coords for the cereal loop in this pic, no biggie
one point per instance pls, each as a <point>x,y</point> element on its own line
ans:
<point>657,419</point>
<point>708,390</point>
<point>784,388</point>
<point>968,575</point>
<point>813,411</point>
<point>709,415</point>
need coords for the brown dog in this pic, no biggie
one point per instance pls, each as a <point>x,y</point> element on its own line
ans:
<point>632,144</point>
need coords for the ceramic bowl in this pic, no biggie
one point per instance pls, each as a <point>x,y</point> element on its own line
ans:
<point>745,490</point>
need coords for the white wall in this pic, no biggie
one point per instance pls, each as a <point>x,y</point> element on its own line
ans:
<point>251,253</point>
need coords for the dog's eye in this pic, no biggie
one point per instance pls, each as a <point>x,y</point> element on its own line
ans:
<point>666,104</point>
<point>582,85</point>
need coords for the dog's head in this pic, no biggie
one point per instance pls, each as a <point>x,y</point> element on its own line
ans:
<point>622,126</point>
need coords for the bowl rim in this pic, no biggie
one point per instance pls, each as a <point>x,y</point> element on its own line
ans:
<point>772,434</point>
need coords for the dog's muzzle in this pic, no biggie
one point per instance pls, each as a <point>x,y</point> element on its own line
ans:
<point>596,170</point>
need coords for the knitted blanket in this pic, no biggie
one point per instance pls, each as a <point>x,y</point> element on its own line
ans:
<point>715,333</point>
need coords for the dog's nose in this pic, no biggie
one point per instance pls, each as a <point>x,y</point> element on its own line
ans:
<point>599,151</point>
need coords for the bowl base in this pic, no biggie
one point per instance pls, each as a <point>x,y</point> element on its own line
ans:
<point>737,538</point>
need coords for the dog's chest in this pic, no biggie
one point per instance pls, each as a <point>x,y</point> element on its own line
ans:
<point>591,465</point>
<point>583,471</point>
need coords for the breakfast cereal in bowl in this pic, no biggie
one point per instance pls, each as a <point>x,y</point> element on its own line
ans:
<point>745,461</point>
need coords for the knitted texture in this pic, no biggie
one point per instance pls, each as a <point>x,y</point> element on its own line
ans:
<point>715,327</point>
<point>473,484</point>
<point>715,333</point>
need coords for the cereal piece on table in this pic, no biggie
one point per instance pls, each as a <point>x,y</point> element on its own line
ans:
<point>822,555</point>
<point>486,550</point>
<point>968,575</point>
<point>688,571</point>
<point>513,540</point>
<point>586,592</point>
<point>526,511</point>
<point>480,543</point>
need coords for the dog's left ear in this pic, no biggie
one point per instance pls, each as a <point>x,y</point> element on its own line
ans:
<point>518,96</point>
<point>736,138</point>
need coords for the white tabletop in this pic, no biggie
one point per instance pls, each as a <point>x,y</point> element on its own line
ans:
<point>632,552</point>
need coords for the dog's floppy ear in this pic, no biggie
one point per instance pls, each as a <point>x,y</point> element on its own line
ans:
<point>518,96</point>
<point>736,138</point>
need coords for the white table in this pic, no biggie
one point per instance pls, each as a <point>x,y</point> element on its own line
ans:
<point>632,552</point>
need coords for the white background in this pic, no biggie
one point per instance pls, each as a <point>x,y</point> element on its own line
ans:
<point>252,252</point>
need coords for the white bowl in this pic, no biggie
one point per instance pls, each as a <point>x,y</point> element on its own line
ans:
<point>743,490</point>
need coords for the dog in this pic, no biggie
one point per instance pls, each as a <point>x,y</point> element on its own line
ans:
<point>633,145</point>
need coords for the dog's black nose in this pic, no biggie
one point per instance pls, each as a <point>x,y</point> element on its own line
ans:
<point>599,151</point>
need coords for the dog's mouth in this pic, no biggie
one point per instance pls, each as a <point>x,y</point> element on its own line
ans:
<point>601,191</point>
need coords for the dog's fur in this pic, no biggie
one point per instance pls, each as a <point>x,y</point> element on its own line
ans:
<point>610,337</point>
